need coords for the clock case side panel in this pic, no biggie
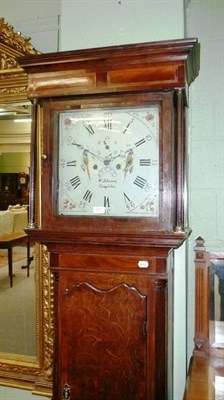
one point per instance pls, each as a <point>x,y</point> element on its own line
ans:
<point>104,225</point>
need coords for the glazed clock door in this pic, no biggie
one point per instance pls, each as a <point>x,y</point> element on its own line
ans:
<point>106,168</point>
<point>104,342</point>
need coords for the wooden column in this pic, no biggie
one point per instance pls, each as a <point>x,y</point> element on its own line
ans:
<point>201,298</point>
<point>180,162</point>
<point>33,166</point>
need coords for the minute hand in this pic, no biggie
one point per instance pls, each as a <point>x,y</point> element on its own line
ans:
<point>81,147</point>
<point>95,155</point>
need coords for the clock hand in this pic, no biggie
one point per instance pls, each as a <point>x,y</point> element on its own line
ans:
<point>95,155</point>
<point>108,160</point>
<point>88,151</point>
<point>121,154</point>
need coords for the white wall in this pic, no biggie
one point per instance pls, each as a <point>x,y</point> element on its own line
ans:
<point>205,21</point>
<point>180,322</point>
<point>87,23</point>
<point>38,19</point>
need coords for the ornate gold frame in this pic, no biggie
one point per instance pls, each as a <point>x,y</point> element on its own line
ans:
<point>26,372</point>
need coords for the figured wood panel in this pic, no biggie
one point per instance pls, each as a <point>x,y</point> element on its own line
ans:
<point>161,65</point>
<point>104,340</point>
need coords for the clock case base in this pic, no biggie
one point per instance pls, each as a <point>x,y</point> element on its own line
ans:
<point>113,306</point>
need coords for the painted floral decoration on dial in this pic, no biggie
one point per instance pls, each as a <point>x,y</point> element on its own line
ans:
<point>109,162</point>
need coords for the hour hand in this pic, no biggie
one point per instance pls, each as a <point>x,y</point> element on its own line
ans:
<point>108,160</point>
<point>80,146</point>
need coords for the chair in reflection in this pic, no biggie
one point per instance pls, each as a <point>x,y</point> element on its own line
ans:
<point>206,373</point>
<point>12,224</point>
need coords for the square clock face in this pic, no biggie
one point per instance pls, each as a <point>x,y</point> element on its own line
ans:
<point>108,162</point>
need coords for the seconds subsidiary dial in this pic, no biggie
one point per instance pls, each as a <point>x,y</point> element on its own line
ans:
<point>109,162</point>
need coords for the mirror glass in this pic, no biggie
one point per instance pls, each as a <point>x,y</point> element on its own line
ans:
<point>26,286</point>
<point>216,333</point>
<point>18,310</point>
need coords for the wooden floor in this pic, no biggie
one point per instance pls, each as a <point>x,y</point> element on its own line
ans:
<point>205,379</point>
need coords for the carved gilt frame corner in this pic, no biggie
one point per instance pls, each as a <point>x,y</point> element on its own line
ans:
<point>13,80</point>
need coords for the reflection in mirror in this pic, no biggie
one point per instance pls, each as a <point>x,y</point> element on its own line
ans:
<point>18,311</point>
<point>26,312</point>
<point>217,303</point>
<point>209,313</point>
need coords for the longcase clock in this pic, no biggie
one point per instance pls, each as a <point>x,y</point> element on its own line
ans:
<point>109,142</point>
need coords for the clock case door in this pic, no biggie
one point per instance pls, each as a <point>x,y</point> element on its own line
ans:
<point>104,351</point>
<point>113,323</point>
<point>167,166</point>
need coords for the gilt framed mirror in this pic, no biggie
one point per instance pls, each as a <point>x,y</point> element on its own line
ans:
<point>26,311</point>
<point>209,301</point>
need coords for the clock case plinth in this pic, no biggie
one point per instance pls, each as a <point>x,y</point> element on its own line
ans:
<point>113,277</point>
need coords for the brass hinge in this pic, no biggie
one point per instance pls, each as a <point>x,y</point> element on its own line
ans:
<point>144,330</point>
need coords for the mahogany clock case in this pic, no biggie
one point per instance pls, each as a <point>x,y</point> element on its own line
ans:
<point>113,276</point>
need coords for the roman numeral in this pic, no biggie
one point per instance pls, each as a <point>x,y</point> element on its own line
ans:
<point>108,121</point>
<point>75,182</point>
<point>71,163</point>
<point>140,142</point>
<point>128,202</point>
<point>89,128</point>
<point>87,196</point>
<point>106,201</point>
<point>145,162</point>
<point>125,130</point>
<point>126,198</point>
<point>140,182</point>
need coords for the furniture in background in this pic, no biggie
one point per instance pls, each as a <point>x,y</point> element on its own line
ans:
<point>206,373</point>
<point>13,189</point>
<point>10,240</point>
<point>12,224</point>
<point>14,219</point>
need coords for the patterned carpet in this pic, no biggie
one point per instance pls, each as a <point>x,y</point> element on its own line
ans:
<point>18,308</point>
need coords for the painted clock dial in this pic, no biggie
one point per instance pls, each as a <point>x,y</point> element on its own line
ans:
<point>108,162</point>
